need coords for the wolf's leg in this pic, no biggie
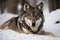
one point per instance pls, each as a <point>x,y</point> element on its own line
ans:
<point>52,34</point>
<point>49,34</point>
<point>5,25</point>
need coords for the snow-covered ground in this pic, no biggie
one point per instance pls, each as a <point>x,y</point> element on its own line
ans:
<point>12,35</point>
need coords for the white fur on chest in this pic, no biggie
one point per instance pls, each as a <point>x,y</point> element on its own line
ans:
<point>27,31</point>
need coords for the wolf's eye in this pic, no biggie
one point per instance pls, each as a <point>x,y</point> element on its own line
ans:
<point>26,6</point>
<point>39,7</point>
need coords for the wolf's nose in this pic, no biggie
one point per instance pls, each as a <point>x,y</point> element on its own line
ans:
<point>33,24</point>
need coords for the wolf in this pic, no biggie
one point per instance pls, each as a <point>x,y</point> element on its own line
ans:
<point>30,21</point>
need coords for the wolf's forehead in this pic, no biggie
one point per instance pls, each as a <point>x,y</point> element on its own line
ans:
<point>34,2</point>
<point>33,10</point>
<point>33,14</point>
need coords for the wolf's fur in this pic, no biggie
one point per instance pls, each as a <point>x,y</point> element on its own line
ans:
<point>30,21</point>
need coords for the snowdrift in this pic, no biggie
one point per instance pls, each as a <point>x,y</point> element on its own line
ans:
<point>52,22</point>
<point>12,35</point>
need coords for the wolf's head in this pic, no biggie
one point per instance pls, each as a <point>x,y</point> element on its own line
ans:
<point>33,16</point>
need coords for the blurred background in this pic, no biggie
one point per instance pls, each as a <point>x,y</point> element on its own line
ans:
<point>11,5</point>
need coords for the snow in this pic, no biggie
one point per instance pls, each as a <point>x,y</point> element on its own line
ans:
<point>12,35</point>
<point>50,22</point>
<point>19,8</point>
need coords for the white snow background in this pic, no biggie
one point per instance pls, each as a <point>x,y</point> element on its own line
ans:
<point>50,22</point>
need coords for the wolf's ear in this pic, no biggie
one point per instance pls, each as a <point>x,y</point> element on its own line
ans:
<point>26,6</point>
<point>40,6</point>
